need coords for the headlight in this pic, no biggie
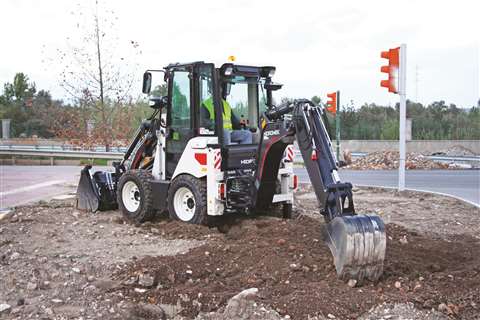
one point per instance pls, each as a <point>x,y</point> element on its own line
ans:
<point>228,71</point>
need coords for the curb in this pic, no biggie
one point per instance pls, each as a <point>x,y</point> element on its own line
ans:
<point>425,191</point>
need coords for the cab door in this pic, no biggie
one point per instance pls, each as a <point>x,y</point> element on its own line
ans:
<point>179,119</point>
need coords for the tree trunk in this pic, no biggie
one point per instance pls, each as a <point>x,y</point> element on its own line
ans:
<point>100,77</point>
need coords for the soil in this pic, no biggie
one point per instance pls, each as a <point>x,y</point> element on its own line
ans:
<point>59,263</point>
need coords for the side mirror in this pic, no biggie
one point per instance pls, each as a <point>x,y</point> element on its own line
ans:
<point>272,86</point>
<point>158,102</point>
<point>147,82</point>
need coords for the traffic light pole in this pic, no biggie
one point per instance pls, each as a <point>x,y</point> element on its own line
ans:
<point>337,125</point>
<point>403,115</point>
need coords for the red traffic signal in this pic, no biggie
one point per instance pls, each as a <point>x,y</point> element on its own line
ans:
<point>332,102</point>
<point>393,56</point>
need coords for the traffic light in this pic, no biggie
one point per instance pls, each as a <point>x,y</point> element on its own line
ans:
<point>332,104</point>
<point>393,56</point>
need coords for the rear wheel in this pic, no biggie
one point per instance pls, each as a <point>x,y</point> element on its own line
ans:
<point>134,195</point>
<point>187,199</point>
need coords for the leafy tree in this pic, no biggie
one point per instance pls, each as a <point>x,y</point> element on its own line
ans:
<point>16,102</point>
<point>317,100</point>
<point>95,76</point>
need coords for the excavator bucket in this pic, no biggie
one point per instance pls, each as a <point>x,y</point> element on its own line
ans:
<point>87,192</point>
<point>358,246</point>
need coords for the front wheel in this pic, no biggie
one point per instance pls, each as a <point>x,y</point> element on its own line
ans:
<point>187,199</point>
<point>134,196</point>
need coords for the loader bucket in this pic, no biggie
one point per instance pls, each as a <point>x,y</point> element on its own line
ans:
<point>87,193</point>
<point>358,246</point>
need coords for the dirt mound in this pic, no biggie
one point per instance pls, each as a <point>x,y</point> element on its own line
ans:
<point>293,270</point>
<point>382,160</point>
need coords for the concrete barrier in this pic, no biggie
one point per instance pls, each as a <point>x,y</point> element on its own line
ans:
<point>420,146</point>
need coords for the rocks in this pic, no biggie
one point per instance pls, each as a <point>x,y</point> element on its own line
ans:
<point>32,286</point>
<point>146,311</point>
<point>5,215</point>
<point>243,306</point>
<point>4,308</point>
<point>389,160</point>
<point>106,284</point>
<point>398,284</point>
<point>295,266</point>
<point>399,311</point>
<point>146,280</point>
<point>403,240</point>
<point>442,307</point>
<point>14,256</point>
<point>352,283</point>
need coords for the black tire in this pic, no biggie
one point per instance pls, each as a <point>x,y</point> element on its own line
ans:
<point>145,210</point>
<point>287,211</point>
<point>198,188</point>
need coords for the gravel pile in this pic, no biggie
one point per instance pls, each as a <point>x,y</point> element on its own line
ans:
<point>384,160</point>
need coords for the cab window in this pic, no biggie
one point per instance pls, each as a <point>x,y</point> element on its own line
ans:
<point>242,95</point>
<point>207,113</point>
<point>180,112</point>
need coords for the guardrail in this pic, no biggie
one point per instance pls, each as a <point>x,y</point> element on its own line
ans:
<point>61,153</point>
<point>61,148</point>
<point>86,154</point>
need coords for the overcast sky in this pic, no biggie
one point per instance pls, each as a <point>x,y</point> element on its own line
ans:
<point>317,46</point>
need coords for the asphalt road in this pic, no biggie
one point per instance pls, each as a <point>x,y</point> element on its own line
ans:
<point>464,184</point>
<point>24,184</point>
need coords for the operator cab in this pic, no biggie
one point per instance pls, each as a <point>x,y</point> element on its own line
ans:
<point>196,104</point>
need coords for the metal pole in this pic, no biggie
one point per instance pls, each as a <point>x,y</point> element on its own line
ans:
<point>337,125</point>
<point>403,115</point>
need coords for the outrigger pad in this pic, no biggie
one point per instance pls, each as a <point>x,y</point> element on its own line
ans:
<point>87,193</point>
<point>358,246</point>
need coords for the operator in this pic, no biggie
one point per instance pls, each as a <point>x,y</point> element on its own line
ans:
<point>232,128</point>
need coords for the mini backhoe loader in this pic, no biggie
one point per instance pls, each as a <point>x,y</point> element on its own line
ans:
<point>180,162</point>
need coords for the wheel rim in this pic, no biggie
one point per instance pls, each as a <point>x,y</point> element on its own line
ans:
<point>131,196</point>
<point>184,204</point>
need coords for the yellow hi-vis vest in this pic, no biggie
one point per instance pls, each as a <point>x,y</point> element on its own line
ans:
<point>227,113</point>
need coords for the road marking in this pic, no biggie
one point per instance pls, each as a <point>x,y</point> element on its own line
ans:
<point>32,187</point>
<point>425,191</point>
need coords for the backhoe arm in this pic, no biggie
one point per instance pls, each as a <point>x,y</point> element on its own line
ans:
<point>357,242</point>
<point>334,197</point>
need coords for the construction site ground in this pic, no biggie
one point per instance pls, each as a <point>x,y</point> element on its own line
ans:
<point>60,263</point>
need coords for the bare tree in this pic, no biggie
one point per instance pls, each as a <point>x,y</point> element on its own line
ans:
<point>98,70</point>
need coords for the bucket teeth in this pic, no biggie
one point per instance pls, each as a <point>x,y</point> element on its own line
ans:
<point>358,246</point>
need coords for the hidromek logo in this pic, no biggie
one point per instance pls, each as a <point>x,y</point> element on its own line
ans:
<point>271,133</point>
<point>247,161</point>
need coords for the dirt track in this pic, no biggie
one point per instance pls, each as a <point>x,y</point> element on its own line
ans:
<point>57,263</point>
